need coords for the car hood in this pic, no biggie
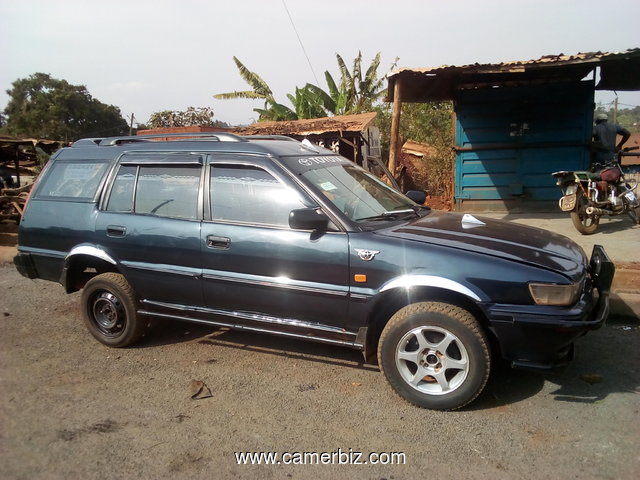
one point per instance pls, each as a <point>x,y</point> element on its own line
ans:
<point>508,240</point>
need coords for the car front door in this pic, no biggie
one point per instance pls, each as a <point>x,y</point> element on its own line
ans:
<point>257,269</point>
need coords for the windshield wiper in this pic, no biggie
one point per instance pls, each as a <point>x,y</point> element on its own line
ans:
<point>420,208</point>
<point>388,215</point>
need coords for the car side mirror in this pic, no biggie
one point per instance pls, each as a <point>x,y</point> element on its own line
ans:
<point>417,196</point>
<point>308,219</point>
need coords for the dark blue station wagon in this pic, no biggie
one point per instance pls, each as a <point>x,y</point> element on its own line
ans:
<point>281,237</point>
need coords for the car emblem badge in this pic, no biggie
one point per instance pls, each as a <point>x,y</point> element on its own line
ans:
<point>366,255</point>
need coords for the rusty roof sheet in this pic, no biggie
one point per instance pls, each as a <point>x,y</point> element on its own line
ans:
<point>619,71</point>
<point>312,126</point>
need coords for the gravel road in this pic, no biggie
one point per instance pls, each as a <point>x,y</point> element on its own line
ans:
<point>72,408</point>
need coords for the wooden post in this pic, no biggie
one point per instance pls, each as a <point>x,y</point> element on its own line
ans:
<point>395,126</point>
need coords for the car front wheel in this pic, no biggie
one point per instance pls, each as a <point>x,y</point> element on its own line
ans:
<point>435,355</point>
<point>109,310</point>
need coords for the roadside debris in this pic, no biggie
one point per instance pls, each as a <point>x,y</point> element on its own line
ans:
<point>199,390</point>
<point>12,202</point>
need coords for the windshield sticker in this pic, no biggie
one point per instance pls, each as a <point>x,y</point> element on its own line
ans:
<point>328,186</point>
<point>308,161</point>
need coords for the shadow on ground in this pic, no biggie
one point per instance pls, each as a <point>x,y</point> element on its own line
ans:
<point>605,363</point>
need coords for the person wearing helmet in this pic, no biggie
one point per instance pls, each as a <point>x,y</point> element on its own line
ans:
<point>604,139</point>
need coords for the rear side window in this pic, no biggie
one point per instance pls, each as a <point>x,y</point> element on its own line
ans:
<point>78,180</point>
<point>168,191</point>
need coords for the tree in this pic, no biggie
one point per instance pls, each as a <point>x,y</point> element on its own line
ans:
<point>272,110</point>
<point>355,93</point>
<point>43,107</point>
<point>190,117</point>
<point>430,123</point>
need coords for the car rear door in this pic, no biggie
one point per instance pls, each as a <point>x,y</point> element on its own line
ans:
<point>150,223</point>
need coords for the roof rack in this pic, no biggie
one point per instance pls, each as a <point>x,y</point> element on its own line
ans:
<point>269,137</point>
<point>83,142</point>
<point>217,136</point>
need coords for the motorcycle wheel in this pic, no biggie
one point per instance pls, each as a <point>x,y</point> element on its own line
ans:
<point>634,214</point>
<point>585,224</point>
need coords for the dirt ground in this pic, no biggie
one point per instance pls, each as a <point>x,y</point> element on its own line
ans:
<point>72,408</point>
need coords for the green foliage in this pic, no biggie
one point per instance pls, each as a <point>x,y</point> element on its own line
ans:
<point>354,94</point>
<point>259,90</point>
<point>629,118</point>
<point>275,111</point>
<point>309,102</point>
<point>429,123</point>
<point>190,117</point>
<point>43,107</point>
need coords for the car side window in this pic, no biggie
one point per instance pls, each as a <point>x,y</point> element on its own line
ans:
<point>168,191</point>
<point>241,193</point>
<point>78,180</point>
<point>121,198</point>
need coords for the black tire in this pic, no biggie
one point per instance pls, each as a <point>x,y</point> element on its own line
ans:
<point>451,365</point>
<point>585,224</point>
<point>109,310</point>
<point>634,214</point>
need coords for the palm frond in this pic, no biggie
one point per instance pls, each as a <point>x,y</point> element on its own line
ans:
<point>253,79</point>
<point>357,68</point>
<point>333,89</point>
<point>233,95</point>
<point>320,97</point>
<point>345,75</point>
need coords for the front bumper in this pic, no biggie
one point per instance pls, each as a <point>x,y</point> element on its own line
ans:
<point>541,337</point>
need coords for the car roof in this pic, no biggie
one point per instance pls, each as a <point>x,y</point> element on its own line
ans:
<point>112,147</point>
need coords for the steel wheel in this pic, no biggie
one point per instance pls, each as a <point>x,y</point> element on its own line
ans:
<point>109,307</point>
<point>108,313</point>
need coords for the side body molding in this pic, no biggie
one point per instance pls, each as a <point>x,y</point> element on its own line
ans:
<point>408,281</point>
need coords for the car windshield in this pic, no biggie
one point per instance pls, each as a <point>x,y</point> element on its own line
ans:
<point>360,195</point>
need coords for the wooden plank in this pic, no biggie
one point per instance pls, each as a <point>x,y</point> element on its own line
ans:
<point>17,207</point>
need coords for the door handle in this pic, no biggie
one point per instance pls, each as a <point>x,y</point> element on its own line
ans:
<point>214,241</point>
<point>116,231</point>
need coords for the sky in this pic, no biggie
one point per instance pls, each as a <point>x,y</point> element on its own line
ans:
<point>148,56</point>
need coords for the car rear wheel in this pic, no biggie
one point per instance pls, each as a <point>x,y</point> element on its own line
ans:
<point>109,310</point>
<point>435,355</point>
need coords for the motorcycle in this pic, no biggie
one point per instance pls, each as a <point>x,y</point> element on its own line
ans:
<point>589,195</point>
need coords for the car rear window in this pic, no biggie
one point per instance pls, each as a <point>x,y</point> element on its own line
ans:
<point>77,180</point>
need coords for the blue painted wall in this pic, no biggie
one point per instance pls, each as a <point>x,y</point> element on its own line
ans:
<point>509,140</point>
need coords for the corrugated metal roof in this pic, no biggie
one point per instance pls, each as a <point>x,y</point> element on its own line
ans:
<point>516,65</point>
<point>619,70</point>
<point>312,126</point>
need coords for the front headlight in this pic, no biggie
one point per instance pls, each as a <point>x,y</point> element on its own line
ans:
<point>552,294</point>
